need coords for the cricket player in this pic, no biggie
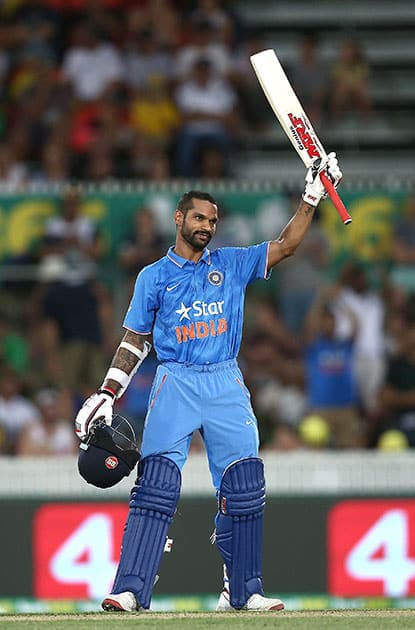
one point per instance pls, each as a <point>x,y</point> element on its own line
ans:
<point>191,301</point>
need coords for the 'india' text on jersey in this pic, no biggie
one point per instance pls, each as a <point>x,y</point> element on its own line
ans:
<point>195,310</point>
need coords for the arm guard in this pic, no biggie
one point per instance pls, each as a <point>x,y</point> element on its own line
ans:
<point>121,377</point>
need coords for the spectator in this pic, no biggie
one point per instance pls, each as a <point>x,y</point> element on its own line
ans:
<point>255,109</point>
<point>40,105</point>
<point>331,387</point>
<point>16,410</point>
<point>369,310</point>
<point>153,113</point>
<point>310,78</point>
<point>13,173</point>
<point>213,164</point>
<point>262,315</point>
<point>203,44</point>
<point>142,157</point>
<point>14,351</point>
<point>272,368</point>
<point>350,81</point>
<point>301,276</point>
<point>100,164</point>
<point>37,26</point>
<point>5,57</point>
<point>101,126</point>
<point>212,11</point>
<point>144,60</point>
<point>52,434</point>
<point>165,20</point>
<point>284,438</point>
<point>159,168</point>
<point>276,384</point>
<point>402,275</point>
<point>91,66</point>
<point>71,234</point>
<point>208,109</point>
<point>54,165</point>
<point>144,246</point>
<point>107,17</point>
<point>76,329</point>
<point>397,395</point>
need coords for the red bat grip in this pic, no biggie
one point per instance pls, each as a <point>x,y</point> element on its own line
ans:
<point>334,196</point>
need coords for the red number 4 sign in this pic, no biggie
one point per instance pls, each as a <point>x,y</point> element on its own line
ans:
<point>76,549</point>
<point>371,548</point>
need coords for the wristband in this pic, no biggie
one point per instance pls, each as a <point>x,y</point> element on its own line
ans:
<point>108,390</point>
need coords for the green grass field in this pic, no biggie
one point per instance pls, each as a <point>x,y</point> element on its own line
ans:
<point>310,620</point>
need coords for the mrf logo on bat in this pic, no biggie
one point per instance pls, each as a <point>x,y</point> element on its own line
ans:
<point>302,136</point>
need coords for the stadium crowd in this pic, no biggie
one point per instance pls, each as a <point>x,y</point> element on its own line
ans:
<point>143,88</point>
<point>151,89</point>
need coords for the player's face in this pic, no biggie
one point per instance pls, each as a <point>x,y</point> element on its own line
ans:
<point>198,225</point>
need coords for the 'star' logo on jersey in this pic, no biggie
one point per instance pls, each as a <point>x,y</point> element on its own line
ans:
<point>200,329</point>
<point>183,311</point>
<point>200,309</point>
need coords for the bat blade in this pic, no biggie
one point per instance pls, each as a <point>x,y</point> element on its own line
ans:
<point>286,106</point>
<point>292,117</point>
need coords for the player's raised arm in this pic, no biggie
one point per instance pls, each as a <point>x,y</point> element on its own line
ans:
<point>293,233</point>
<point>128,357</point>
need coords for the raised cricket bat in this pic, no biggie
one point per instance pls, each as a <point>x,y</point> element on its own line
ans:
<point>293,118</point>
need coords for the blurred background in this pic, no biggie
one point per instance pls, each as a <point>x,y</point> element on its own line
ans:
<point>109,110</point>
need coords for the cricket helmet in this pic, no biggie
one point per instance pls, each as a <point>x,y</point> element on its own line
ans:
<point>108,453</point>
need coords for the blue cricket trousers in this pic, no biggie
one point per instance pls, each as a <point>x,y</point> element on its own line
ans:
<point>212,399</point>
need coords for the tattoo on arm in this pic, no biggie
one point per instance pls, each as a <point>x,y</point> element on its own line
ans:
<point>124,359</point>
<point>307,209</point>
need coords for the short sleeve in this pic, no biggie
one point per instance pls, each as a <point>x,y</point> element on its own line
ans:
<point>251,263</point>
<point>144,304</point>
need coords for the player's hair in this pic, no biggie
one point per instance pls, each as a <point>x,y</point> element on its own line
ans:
<point>186,200</point>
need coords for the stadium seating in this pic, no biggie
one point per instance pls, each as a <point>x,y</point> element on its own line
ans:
<point>369,148</point>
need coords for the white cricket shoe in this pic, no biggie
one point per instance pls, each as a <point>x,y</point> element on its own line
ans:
<point>256,603</point>
<point>120,602</point>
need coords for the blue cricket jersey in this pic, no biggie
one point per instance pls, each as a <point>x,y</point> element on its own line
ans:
<point>330,373</point>
<point>195,310</point>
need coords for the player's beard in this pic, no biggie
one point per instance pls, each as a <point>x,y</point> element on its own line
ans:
<point>193,238</point>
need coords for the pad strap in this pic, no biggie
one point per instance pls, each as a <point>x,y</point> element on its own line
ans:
<point>152,506</point>
<point>239,527</point>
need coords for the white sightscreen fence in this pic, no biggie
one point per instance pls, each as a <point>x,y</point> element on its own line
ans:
<point>299,473</point>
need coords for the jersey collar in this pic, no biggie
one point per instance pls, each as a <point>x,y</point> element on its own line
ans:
<point>180,261</point>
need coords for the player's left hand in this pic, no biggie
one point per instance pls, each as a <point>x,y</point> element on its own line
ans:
<point>314,189</point>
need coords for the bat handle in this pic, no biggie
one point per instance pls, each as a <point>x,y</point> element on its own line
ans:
<point>334,196</point>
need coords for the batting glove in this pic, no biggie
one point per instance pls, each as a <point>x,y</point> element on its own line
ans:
<point>314,189</point>
<point>99,405</point>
